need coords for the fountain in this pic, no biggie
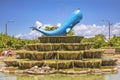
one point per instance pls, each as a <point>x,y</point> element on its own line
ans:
<point>61,54</point>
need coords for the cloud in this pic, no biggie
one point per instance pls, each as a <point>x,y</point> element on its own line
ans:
<point>59,24</point>
<point>89,30</point>
<point>115,29</point>
<point>92,30</point>
<point>31,35</point>
<point>38,24</point>
<point>80,30</point>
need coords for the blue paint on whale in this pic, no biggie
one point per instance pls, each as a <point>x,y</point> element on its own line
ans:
<point>74,18</point>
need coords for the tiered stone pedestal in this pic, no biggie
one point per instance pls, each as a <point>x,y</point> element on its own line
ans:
<point>60,53</point>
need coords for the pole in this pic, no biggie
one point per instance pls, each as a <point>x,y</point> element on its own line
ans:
<point>109,24</point>
<point>6,28</point>
<point>109,29</point>
<point>6,32</point>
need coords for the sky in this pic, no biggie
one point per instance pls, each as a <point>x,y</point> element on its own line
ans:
<point>28,13</point>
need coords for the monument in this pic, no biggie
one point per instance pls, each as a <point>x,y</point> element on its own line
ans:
<point>57,53</point>
<point>66,27</point>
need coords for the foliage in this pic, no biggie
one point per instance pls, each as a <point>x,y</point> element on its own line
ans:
<point>99,41</point>
<point>48,28</point>
<point>115,41</point>
<point>12,42</point>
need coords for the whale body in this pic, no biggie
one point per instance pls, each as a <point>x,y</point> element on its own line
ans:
<point>66,27</point>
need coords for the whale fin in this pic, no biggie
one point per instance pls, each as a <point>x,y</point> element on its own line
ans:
<point>68,30</point>
<point>34,28</point>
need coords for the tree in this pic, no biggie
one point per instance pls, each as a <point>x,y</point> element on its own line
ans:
<point>115,41</point>
<point>99,41</point>
<point>12,42</point>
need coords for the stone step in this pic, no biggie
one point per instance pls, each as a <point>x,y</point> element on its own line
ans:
<point>58,46</point>
<point>61,39</point>
<point>63,55</point>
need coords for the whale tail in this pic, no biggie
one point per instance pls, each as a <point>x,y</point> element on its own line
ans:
<point>34,28</point>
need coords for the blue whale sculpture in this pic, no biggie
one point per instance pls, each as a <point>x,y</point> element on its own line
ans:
<point>74,18</point>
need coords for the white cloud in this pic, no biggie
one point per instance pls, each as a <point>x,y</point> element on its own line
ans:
<point>38,24</point>
<point>80,30</point>
<point>31,35</point>
<point>92,30</point>
<point>59,24</point>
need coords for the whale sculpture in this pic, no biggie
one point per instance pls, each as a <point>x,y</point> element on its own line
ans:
<point>74,18</point>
